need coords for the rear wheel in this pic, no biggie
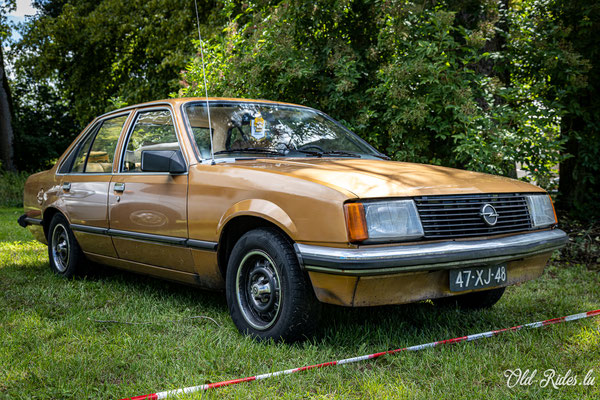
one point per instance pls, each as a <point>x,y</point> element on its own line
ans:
<point>269,296</point>
<point>473,300</point>
<point>63,250</point>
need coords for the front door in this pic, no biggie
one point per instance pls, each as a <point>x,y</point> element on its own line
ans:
<point>148,210</point>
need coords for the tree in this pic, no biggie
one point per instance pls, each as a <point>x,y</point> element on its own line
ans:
<point>78,59</point>
<point>104,52</point>
<point>6,130</point>
<point>578,90</point>
<point>427,81</point>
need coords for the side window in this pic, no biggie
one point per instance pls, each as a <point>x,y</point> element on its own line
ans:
<point>202,140</point>
<point>97,151</point>
<point>153,130</point>
<point>74,157</point>
<point>82,153</point>
<point>104,146</point>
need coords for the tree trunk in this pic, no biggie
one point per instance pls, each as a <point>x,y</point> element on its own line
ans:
<point>6,131</point>
<point>579,185</point>
<point>567,184</point>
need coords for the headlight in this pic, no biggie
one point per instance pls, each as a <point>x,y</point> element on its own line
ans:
<point>541,210</point>
<point>382,221</point>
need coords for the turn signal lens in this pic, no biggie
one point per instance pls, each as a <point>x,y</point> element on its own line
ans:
<point>553,210</point>
<point>356,222</point>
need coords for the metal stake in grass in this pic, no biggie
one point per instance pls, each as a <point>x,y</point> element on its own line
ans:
<point>477,336</point>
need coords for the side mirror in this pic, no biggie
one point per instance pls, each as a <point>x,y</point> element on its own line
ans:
<point>170,161</point>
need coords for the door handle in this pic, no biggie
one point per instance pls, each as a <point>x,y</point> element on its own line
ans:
<point>119,187</point>
<point>66,186</point>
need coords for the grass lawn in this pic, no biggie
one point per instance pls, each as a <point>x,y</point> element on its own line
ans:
<point>50,349</point>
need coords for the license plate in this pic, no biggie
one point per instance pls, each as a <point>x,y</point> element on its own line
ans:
<point>477,278</point>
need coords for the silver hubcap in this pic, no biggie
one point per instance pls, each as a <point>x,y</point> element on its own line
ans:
<point>258,289</point>
<point>60,247</point>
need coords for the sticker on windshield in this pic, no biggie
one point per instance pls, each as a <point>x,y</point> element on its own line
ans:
<point>258,128</point>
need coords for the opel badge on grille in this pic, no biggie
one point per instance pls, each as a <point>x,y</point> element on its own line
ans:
<point>489,214</point>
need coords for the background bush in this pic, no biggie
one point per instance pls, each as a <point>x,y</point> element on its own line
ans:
<point>481,85</point>
<point>11,188</point>
<point>418,81</point>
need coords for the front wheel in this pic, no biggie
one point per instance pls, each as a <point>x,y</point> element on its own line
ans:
<point>268,295</point>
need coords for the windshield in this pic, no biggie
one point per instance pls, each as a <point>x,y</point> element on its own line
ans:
<point>244,129</point>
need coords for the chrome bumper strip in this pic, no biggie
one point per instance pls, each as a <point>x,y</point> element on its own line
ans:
<point>24,221</point>
<point>428,256</point>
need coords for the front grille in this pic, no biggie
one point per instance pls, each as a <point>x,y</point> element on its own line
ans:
<point>458,216</point>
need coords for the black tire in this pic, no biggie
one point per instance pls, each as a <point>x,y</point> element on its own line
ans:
<point>268,295</point>
<point>66,257</point>
<point>473,300</point>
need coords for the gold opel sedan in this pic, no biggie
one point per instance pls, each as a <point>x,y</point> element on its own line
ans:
<point>284,209</point>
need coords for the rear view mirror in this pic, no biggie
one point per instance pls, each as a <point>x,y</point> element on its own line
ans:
<point>170,161</point>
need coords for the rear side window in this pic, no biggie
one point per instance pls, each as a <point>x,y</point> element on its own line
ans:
<point>102,153</point>
<point>153,130</point>
<point>96,153</point>
<point>82,153</point>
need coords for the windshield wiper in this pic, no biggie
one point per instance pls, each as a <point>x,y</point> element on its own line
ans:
<point>250,150</point>
<point>341,153</point>
<point>329,153</point>
<point>382,156</point>
<point>312,153</point>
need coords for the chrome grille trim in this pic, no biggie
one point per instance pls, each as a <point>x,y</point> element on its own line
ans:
<point>458,216</point>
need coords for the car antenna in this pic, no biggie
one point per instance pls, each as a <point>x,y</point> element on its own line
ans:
<point>210,135</point>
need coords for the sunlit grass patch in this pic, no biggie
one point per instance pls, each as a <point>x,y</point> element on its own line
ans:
<point>587,339</point>
<point>25,254</point>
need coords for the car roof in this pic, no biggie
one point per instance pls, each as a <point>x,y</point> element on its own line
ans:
<point>181,100</point>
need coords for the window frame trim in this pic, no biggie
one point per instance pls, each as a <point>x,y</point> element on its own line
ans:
<point>89,132</point>
<point>95,125</point>
<point>218,102</point>
<point>137,112</point>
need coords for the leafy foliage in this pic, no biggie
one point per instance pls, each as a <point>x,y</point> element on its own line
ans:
<point>575,82</point>
<point>78,59</point>
<point>11,188</point>
<point>415,80</point>
<point>43,124</point>
<point>6,6</point>
<point>101,53</point>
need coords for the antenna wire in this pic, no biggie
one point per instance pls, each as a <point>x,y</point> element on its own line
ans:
<point>210,132</point>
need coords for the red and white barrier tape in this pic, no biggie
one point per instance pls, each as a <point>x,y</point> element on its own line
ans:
<point>477,336</point>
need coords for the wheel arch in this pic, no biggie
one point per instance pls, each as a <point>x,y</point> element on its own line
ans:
<point>235,227</point>
<point>47,216</point>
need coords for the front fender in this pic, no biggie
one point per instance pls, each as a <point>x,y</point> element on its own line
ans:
<point>261,209</point>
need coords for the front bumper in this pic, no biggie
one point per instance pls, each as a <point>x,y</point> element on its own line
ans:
<point>428,256</point>
<point>372,276</point>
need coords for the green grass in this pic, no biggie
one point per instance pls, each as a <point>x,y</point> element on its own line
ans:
<point>49,348</point>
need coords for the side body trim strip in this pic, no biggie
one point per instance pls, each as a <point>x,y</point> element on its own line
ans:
<point>148,237</point>
<point>89,229</point>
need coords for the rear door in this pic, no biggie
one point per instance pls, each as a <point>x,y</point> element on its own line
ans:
<point>148,210</point>
<point>85,179</point>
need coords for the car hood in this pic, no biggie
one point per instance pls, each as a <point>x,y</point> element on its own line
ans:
<point>379,178</point>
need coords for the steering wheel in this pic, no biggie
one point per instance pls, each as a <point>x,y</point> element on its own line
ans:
<point>314,146</point>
